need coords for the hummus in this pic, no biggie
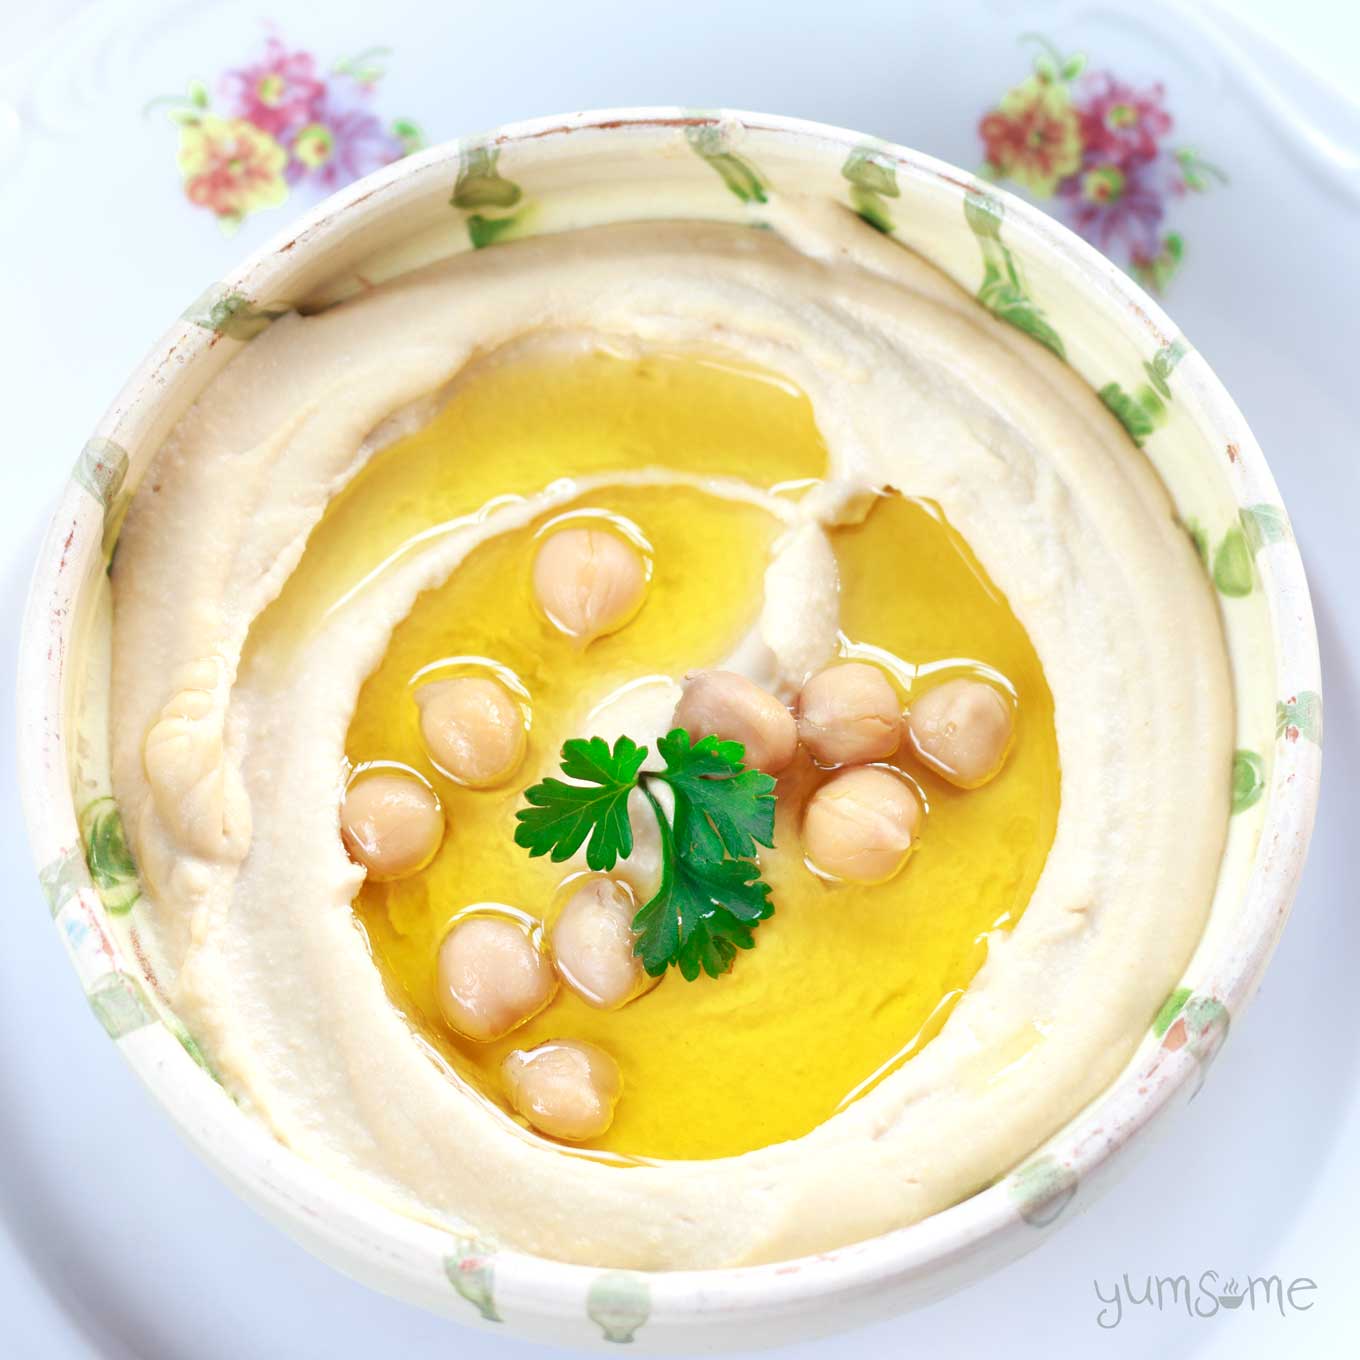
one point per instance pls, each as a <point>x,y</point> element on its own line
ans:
<point>228,762</point>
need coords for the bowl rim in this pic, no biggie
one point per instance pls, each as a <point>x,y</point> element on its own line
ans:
<point>400,1250</point>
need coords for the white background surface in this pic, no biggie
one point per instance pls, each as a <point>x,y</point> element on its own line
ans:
<point>114,1240</point>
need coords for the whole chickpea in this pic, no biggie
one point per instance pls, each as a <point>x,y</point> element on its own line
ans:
<point>861,825</point>
<point>391,823</point>
<point>473,729</point>
<point>492,976</point>
<point>962,729</point>
<point>849,714</point>
<point>588,581</point>
<point>592,945</point>
<point>566,1088</point>
<point>733,708</point>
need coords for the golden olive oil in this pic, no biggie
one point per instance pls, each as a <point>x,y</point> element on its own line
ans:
<point>844,982</point>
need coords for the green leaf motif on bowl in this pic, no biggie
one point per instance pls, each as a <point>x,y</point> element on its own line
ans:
<point>1202,1027</point>
<point>101,469</point>
<point>1232,570</point>
<point>1248,780</point>
<point>1300,716</point>
<point>709,142</point>
<point>480,183</point>
<point>112,868</point>
<point>1171,1008</point>
<point>486,231</point>
<point>224,312</point>
<point>1131,412</point>
<point>120,1004</point>
<point>1002,290</point>
<point>471,1270</point>
<point>872,170</point>
<point>1199,537</point>
<point>1162,366</point>
<point>619,1302</point>
<point>1042,1189</point>
<point>1264,525</point>
<point>63,878</point>
<point>873,178</point>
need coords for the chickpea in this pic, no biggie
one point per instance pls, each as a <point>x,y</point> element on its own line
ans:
<point>493,976</point>
<point>962,729</point>
<point>850,714</point>
<point>592,945</point>
<point>473,729</point>
<point>732,708</point>
<point>861,825</point>
<point>589,582</point>
<point>565,1088</point>
<point>392,824</point>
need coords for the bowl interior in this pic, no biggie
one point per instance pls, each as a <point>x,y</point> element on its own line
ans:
<point>645,165</point>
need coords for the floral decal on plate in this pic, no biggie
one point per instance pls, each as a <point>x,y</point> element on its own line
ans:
<point>1101,147</point>
<point>282,122</point>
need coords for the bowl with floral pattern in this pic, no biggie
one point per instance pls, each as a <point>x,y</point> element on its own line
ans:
<point>640,164</point>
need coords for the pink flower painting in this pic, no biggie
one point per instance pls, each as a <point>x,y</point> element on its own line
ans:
<point>1101,147</point>
<point>285,124</point>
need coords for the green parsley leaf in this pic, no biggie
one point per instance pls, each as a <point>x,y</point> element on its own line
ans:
<point>562,817</point>
<point>733,809</point>
<point>711,895</point>
<point>702,914</point>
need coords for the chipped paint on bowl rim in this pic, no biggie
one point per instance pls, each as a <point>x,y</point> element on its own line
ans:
<point>1034,273</point>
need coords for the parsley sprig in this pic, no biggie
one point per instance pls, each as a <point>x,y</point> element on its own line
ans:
<point>711,895</point>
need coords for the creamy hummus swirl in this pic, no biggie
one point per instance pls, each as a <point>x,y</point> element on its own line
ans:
<point>228,773</point>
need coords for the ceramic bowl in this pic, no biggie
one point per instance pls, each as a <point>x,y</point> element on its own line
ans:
<point>547,176</point>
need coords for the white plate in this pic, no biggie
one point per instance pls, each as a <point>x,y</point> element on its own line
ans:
<point>117,1241</point>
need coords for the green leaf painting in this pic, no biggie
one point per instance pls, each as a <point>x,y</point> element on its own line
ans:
<point>120,1005</point>
<point>1002,290</point>
<point>873,179</point>
<point>619,1302</point>
<point>1248,780</point>
<point>1163,364</point>
<point>486,231</point>
<point>1232,571</point>
<point>101,469</point>
<point>1199,536</point>
<point>710,143</point>
<point>1131,413</point>
<point>1264,525</point>
<point>1171,1008</point>
<point>1300,716</point>
<point>1042,1189</point>
<point>471,1270</point>
<point>61,879</point>
<point>112,869</point>
<point>232,314</point>
<point>480,185</point>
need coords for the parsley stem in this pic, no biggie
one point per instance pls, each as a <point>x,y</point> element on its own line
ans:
<point>667,843</point>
